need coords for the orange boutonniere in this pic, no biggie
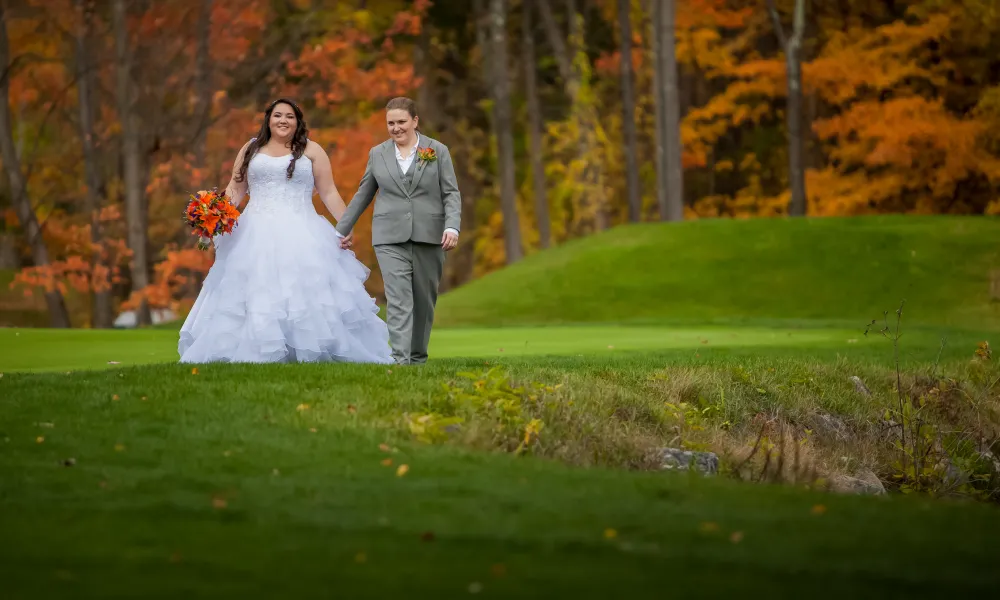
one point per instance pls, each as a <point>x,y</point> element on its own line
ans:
<point>427,154</point>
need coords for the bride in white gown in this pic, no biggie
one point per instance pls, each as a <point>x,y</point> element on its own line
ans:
<point>281,288</point>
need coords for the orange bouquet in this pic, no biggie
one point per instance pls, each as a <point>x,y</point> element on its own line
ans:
<point>209,214</point>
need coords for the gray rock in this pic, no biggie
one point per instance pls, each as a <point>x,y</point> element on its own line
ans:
<point>860,386</point>
<point>675,459</point>
<point>864,483</point>
<point>829,426</point>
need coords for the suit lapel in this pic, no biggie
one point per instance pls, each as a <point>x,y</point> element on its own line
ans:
<point>389,158</point>
<point>420,166</point>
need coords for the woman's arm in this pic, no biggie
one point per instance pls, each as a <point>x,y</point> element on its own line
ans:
<point>323,174</point>
<point>237,190</point>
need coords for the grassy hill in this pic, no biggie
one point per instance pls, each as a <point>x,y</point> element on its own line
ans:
<point>839,269</point>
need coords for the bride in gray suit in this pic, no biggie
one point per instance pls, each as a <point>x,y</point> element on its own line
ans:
<point>416,220</point>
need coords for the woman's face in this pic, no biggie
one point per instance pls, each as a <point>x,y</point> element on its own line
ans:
<point>401,125</point>
<point>283,121</point>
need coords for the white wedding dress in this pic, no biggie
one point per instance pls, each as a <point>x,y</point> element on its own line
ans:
<point>281,288</point>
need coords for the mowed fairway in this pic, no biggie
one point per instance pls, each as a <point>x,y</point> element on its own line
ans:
<point>47,349</point>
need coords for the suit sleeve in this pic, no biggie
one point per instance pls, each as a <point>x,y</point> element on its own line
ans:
<point>362,198</point>
<point>449,191</point>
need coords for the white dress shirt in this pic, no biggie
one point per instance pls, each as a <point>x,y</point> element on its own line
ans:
<point>404,165</point>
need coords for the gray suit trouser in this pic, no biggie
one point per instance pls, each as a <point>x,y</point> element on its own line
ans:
<point>411,272</point>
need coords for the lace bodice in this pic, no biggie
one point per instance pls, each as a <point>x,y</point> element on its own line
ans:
<point>270,189</point>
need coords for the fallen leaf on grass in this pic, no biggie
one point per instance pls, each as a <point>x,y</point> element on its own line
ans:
<point>194,371</point>
<point>709,527</point>
<point>115,397</point>
<point>360,558</point>
<point>611,347</point>
<point>736,537</point>
<point>302,407</point>
<point>113,362</point>
<point>275,472</point>
<point>219,502</point>
<point>351,409</point>
<point>176,558</point>
<point>103,485</point>
<point>387,462</point>
<point>498,570</point>
<point>427,536</point>
<point>610,534</point>
<point>143,398</point>
<point>47,425</point>
<point>40,439</point>
<point>313,430</point>
<point>119,447</point>
<point>227,453</point>
<point>818,509</point>
<point>402,470</point>
<point>384,447</point>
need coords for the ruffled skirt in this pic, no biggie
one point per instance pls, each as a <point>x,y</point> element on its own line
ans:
<point>282,290</point>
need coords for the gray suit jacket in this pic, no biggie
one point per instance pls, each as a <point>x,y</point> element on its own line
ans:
<point>419,212</point>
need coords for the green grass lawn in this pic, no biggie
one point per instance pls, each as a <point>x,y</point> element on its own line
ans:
<point>222,484</point>
<point>49,349</point>
<point>269,481</point>
<point>733,271</point>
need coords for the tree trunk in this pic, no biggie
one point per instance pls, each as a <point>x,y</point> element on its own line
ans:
<point>101,315</point>
<point>503,124</point>
<point>135,193</point>
<point>628,113</point>
<point>659,117</point>
<point>797,206</point>
<point>58,315</point>
<point>672,115</point>
<point>534,110</point>
<point>203,89</point>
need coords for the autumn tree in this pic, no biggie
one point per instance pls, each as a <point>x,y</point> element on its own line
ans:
<point>628,111</point>
<point>58,315</point>
<point>670,172</point>
<point>533,109</point>
<point>792,47</point>
<point>503,125</point>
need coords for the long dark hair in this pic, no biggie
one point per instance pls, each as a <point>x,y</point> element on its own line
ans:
<point>299,139</point>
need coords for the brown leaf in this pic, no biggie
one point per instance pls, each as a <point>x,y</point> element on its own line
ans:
<point>115,397</point>
<point>352,409</point>
<point>384,447</point>
<point>402,470</point>
<point>709,527</point>
<point>387,462</point>
<point>498,570</point>
<point>219,502</point>
<point>736,537</point>
<point>427,536</point>
<point>819,509</point>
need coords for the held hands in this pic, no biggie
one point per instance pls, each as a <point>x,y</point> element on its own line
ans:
<point>449,240</point>
<point>347,241</point>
